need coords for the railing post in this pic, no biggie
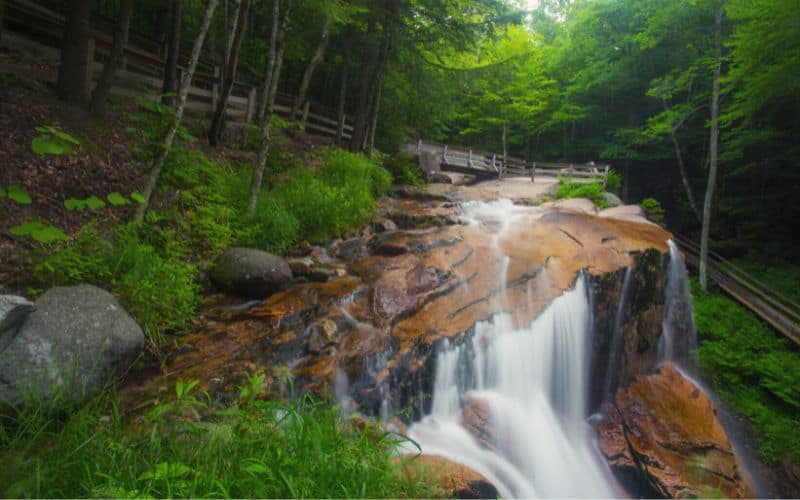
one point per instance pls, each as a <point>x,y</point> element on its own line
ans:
<point>533,172</point>
<point>444,155</point>
<point>89,66</point>
<point>494,161</point>
<point>419,145</point>
<point>252,97</point>
<point>306,108</point>
<point>605,178</point>
<point>215,90</point>
<point>469,159</point>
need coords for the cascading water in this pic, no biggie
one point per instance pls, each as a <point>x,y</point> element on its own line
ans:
<point>679,335</point>
<point>533,381</point>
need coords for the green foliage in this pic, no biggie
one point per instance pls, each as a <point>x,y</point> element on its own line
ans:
<point>143,265</point>
<point>753,369</point>
<point>405,169</point>
<point>152,121</point>
<point>18,195</point>
<point>263,449</point>
<point>614,182</point>
<point>54,141</point>
<point>272,228</point>
<point>592,191</point>
<point>91,203</point>
<point>41,232</point>
<point>653,210</point>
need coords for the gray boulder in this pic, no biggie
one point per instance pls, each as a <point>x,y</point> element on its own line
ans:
<point>247,271</point>
<point>612,199</point>
<point>13,311</point>
<point>69,348</point>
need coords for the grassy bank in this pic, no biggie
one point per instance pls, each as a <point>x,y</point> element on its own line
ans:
<point>255,448</point>
<point>753,369</point>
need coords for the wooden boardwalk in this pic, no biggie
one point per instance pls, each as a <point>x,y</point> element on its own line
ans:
<point>485,165</point>
<point>782,313</point>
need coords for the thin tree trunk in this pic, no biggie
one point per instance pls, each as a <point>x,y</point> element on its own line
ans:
<point>312,66</point>
<point>505,150</point>
<point>684,176</point>
<point>266,139</point>
<point>158,165</point>
<point>74,68</point>
<point>273,52</point>
<point>362,107</point>
<point>713,148</point>
<point>376,107</point>
<point>218,122</point>
<point>98,104</point>
<point>170,87</point>
<point>2,16</point>
<point>342,98</point>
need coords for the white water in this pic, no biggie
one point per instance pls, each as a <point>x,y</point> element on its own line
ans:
<point>679,335</point>
<point>534,382</point>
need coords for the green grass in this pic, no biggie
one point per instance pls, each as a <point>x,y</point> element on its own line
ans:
<point>256,448</point>
<point>593,191</point>
<point>753,369</point>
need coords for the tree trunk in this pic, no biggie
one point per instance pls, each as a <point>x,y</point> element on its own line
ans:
<point>158,165</point>
<point>342,99</point>
<point>376,106</point>
<point>2,16</point>
<point>98,104</point>
<point>218,122</point>
<point>272,91</point>
<point>684,176</point>
<point>362,108</point>
<point>273,52</point>
<point>713,148</point>
<point>312,66</point>
<point>73,72</point>
<point>170,87</point>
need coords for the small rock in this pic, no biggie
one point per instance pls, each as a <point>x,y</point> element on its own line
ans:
<point>457,480</point>
<point>437,178</point>
<point>382,225</point>
<point>321,334</point>
<point>389,249</point>
<point>322,273</point>
<point>612,199</point>
<point>301,266</point>
<point>249,271</point>
<point>68,348</point>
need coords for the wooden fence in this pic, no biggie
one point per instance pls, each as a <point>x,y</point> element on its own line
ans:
<point>31,27</point>
<point>483,163</point>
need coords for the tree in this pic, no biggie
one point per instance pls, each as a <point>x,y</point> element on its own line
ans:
<point>161,158</point>
<point>74,69</point>
<point>319,53</point>
<point>270,90</point>
<point>217,122</point>
<point>712,148</point>
<point>170,87</point>
<point>106,81</point>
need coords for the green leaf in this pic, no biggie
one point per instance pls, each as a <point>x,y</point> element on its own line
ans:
<point>43,233</point>
<point>19,195</point>
<point>117,199</point>
<point>137,197</point>
<point>2,193</point>
<point>72,204</point>
<point>47,146</point>
<point>95,203</point>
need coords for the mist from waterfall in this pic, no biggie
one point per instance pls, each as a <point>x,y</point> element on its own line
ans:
<point>533,381</point>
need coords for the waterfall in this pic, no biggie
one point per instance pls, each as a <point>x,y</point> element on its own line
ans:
<point>615,350</point>
<point>679,335</point>
<point>532,383</point>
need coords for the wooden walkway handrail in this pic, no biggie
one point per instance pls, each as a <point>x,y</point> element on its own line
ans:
<point>780,312</point>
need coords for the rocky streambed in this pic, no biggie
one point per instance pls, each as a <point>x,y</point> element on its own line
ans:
<point>365,319</point>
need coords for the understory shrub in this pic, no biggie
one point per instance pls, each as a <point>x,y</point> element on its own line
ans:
<point>653,210</point>
<point>254,449</point>
<point>593,191</point>
<point>751,368</point>
<point>405,169</point>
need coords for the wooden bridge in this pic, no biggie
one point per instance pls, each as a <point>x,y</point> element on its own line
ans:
<point>485,165</point>
<point>782,313</point>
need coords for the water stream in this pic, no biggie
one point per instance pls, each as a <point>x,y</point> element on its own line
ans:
<point>532,382</point>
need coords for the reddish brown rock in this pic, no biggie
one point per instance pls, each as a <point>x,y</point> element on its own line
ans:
<point>664,430</point>
<point>456,480</point>
<point>476,419</point>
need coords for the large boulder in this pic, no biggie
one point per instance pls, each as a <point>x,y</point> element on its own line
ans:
<point>252,272</point>
<point>663,439</point>
<point>13,311</point>
<point>68,348</point>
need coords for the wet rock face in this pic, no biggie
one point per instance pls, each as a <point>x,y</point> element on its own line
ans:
<point>456,480</point>
<point>662,438</point>
<point>407,291</point>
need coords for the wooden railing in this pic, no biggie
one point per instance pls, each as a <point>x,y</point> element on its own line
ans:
<point>482,163</point>
<point>31,27</point>
<point>782,313</point>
